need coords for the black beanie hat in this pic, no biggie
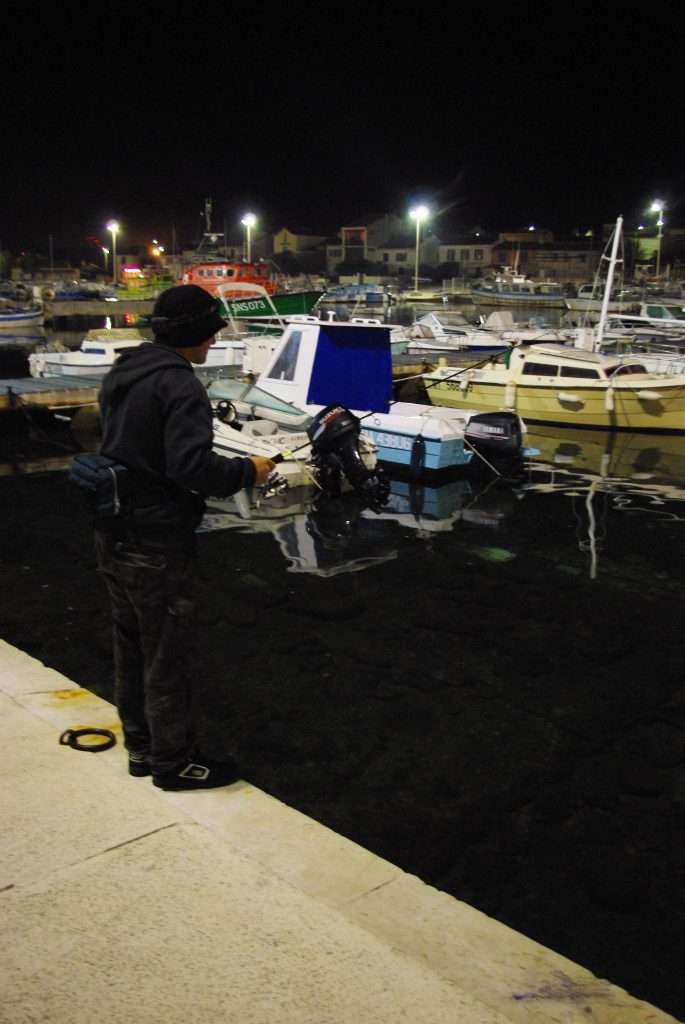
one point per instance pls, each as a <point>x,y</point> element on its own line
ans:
<point>185,316</point>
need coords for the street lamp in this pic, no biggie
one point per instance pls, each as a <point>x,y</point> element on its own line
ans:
<point>105,253</point>
<point>249,221</point>
<point>419,213</point>
<point>113,228</point>
<point>658,207</point>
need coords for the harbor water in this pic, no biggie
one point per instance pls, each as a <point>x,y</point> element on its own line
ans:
<point>482,682</point>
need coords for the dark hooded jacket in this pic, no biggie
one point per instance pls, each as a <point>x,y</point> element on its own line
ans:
<point>157,421</point>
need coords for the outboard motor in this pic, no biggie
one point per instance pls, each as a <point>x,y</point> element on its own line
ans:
<point>334,435</point>
<point>495,434</point>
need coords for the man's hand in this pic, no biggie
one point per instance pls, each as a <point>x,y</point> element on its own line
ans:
<point>262,467</point>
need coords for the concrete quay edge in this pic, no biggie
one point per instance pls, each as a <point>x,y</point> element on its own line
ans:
<point>229,905</point>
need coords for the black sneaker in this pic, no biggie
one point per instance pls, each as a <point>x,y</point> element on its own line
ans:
<point>201,773</point>
<point>138,766</point>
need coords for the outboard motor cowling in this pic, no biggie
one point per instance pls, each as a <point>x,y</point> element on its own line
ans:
<point>334,436</point>
<point>495,434</point>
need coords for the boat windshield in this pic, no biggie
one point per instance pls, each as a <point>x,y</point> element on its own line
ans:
<point>624,369</point>
<point>666,312</point>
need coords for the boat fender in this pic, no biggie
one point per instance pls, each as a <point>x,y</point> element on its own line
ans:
<point>649,396</point>
<point>465,381</point>
<point>567,396</point>
<point>418,456</point>
<point>510,395</point>
<point>609,399</point>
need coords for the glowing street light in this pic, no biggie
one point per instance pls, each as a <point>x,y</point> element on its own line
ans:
<point>113,228</point>
<point>658,206</point>
<point>419,213</point>
<point>249,221</point>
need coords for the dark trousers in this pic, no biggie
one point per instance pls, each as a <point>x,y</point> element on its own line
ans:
<point>151,590</point>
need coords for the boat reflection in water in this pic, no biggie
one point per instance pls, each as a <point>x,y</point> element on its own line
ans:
<point>603,474</point>
<point>328,536</point>
<point>630,456</point>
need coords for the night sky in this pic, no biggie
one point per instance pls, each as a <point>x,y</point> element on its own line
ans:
<point>330,117</point>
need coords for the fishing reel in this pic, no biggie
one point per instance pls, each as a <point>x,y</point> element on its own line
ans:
<point>275,484</point>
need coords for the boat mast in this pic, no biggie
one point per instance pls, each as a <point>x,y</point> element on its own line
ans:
<point>608,285</point>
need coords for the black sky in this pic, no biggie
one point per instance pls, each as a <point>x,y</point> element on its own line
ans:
<point>560,117</point>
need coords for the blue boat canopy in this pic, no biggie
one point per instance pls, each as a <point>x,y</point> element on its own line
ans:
<point>352,367</point>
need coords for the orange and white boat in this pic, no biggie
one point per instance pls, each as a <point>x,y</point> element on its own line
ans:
<point>212,274</point>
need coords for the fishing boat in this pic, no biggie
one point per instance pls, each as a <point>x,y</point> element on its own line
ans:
<point>14,314</point>
<point>588,299</point>
<point>509,289</point>
<point>670,316</point>
<point>321,363</point>
<point>440,331</point>
<point>358,294</point>
<point>579,387</point>
<point>97,352</point>
<point>242,287</point>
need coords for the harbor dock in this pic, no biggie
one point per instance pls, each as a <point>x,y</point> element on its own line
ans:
<point>96,307</point>
<point>48,392</point>
<point>124,901</point>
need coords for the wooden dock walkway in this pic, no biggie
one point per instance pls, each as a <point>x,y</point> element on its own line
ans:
<point>48,392</point>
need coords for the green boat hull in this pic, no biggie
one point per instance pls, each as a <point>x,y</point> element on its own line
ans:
<point>285,303</point>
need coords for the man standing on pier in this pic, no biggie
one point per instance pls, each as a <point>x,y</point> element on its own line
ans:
<point>157,428</point>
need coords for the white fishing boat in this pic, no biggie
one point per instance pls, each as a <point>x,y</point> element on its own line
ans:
<point>318,364</point>
<point>101,346</point>
<point>444,332</point>
<point>588,299</point>
<point>511,289</point>
<point>669,316</point>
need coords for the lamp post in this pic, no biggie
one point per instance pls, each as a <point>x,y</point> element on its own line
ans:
<point>113,228</point>
<point>249,221</point>
<point>105,254</point>
<point>658,207</point>
<point>419,213</point>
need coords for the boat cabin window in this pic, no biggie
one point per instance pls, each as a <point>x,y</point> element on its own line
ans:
<point>200,273</point>
<point>579,371</point>
<point>284,367</point>
<point>540,369</point>
<point>219,272</point>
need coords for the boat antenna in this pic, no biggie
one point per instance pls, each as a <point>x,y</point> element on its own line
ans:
<point>613,260</point>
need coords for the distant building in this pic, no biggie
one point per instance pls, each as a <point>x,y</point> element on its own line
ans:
<point>286,240</point>
<point>470,254</point>
<point>572,260</point>
<point>529,234</point>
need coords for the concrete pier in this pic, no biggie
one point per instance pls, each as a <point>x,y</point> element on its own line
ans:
<point>120,901</point>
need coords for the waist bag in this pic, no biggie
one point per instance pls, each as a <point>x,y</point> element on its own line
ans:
<point>104,483</point>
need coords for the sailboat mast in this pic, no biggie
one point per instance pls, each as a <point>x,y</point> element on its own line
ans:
<point>609,284</point>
